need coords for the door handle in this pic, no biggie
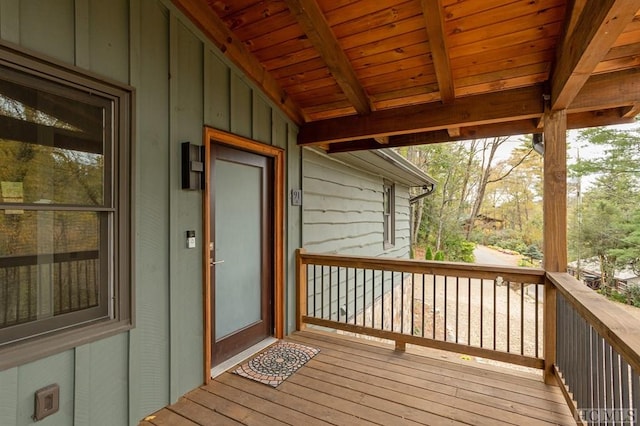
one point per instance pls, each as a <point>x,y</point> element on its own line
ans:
<point>215,262</point>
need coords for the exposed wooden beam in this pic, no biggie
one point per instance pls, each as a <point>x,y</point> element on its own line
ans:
<point>213,27</point>
<point>317,29</point>
<point>608,91</point>
<point>574,10</point>
<point>598,26</point>
<point>434,19</point>
<point>578,120</point>
<point>516,104</point>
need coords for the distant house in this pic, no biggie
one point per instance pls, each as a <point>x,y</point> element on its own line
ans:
<point>590,274</point>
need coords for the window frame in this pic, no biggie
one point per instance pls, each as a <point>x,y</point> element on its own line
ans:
<point>117,205</point>
<point>389,217</point>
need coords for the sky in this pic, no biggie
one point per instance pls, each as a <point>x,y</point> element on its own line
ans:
<point>585,150</point>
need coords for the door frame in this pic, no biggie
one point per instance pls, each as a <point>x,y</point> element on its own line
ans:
<point>211,136</point>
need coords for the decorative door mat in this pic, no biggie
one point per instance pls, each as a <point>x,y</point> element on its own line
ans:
<point>275,364</point>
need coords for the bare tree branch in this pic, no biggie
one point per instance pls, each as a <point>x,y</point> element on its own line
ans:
<point>512,168</point>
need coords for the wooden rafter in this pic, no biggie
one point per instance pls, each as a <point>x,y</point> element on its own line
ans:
<point>434,19</point>
<point>598,26</point>
<point>315,26</point>
<point>217,31</point>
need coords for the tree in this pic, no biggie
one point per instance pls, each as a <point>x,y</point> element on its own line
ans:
<point>608,220</point>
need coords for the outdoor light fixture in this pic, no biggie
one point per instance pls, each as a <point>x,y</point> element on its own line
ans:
<point>538,143</point>
<point>192,166</point>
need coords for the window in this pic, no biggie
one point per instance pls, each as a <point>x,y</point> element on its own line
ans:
<point>389,219</point>
<point>64,203</point>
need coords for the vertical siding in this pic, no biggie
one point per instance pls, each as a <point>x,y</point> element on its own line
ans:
<point>101,382</point>
<point>33,376</point>
<point>152,212</point>
<point>48,26</point>
<point>217,90</point>
<point>186,314</point>
<point>343,209</point>
<point>182,82</point>
<point>294,222</point>
<point>9,396</point>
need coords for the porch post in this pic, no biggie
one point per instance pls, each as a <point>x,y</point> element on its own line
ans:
<point>555,224</point>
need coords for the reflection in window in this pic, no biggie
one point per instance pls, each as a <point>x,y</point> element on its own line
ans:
<point>57,209</point>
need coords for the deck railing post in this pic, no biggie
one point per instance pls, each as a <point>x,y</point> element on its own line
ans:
<point>301,285</point>
<point>550,325</point>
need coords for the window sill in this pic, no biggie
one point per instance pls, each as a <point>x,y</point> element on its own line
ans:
<point>41,347</point>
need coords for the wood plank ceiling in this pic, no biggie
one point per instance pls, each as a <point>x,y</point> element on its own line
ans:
<point>363,74</point>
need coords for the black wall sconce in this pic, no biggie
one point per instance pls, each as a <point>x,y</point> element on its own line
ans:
<point>192,166</point>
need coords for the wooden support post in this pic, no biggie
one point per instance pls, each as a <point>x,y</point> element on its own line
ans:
<point>401,346</point>
<point>555,224</point>
<point>301,285</point>
<point>555,191</point>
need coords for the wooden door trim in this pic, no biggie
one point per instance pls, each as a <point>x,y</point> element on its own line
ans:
<point>214,135</point>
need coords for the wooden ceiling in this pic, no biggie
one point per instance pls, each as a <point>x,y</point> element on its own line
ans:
<point>366,74</point>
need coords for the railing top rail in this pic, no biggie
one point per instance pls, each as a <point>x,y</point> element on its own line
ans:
<point>452,269</point>
<point>617,326</point>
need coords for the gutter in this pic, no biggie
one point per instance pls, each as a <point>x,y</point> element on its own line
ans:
<point>428,191</point>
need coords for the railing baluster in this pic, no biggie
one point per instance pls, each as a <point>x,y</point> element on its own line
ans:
<point>481,312</point>
<point>373,298</point>
<point>315,292</point>
<point>434,306</point>
<point>445,308</point>
<point>495,286</point>
<point>537,324</point>
<point>424,300</point>
<point>402,302</point>
<point>635,391</point>
<point>593,355</point>
<point>322,294</point>
<point>617,394</point>
<point>469,311</point>
<point>413,303</point>
<point>608,374</point>
<point>338,306</point>
<point>393,298</point>
<point>457,304</point>
<point>602,397</point>
<point>624,384</point>
<point>508,286</point>
<point>521,319</point>
<point>382,304</point>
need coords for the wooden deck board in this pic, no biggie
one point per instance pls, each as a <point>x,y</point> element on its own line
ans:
<point>354,382</point>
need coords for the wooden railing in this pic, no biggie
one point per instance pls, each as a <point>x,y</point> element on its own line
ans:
<point>585,343</point>
<point>486,311</point>
<point>68,282</point>
<point>597,355</point>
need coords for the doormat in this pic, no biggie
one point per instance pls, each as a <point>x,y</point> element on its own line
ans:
<point>274,365</point>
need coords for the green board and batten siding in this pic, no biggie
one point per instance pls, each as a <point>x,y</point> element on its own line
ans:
<point>182,82</point>
<point>343,210</point>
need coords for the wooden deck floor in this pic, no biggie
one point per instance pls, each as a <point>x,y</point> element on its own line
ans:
<point>353,383</point>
